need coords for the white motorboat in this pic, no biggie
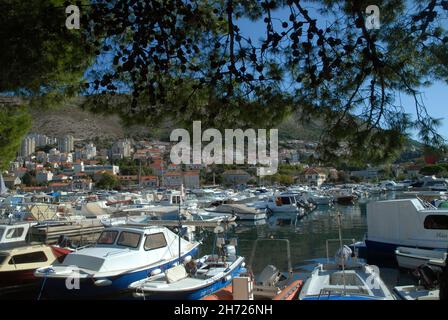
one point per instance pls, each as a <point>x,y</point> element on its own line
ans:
<point>412,258</point>
<point>416,293</point>
<point>122,255</point>
<point>404,223</point>
<point>344,279</point>
<point>242,211</point>
<point>195,279</point>
<point>319,199</point>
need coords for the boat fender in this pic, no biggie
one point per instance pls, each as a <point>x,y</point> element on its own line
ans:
<point>187,259</point>
<point>155,272</point>
<point>103,283</point>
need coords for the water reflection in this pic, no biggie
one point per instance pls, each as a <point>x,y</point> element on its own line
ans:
<point>307,238</point>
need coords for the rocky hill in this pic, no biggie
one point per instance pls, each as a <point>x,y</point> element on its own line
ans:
<point>84,125</point>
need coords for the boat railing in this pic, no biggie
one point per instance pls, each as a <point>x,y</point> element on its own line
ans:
<point>427,204</point>
<point>288,253</point>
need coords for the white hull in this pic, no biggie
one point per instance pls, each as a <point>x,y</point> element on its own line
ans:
<point>416,293</point>
<point>410,258</point>
<point>357,282</point>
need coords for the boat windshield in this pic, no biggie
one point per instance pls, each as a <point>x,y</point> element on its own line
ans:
<point>2,258</point>
<point>107,237</point>
<point>129,239</point>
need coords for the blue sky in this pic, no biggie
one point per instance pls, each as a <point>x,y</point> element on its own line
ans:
<point>435,97</point>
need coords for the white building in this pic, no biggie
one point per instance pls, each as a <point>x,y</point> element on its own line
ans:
<point>90,151</point>
<point>44,176</point>
<point>92,169</point>
<point>121,149</point>
<point>28,147</point>
<point>54,155</point>
<point>66,144</point>
<point>41,139</point>
<point>66,157</point>
<point>78,167</point>
<point>369,173</point>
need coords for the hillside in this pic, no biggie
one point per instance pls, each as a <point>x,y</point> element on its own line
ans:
<point>70,119</point>
<point>84,125</point>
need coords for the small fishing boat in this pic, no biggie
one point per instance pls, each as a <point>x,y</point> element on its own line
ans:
<point>428,287</point>
<point>270,284</point>
<point>345,280</point>
<point>285,202</point>
<point>416,293</point>
<point>320,199</point>
<point>241,211</point>
<point>194,280</point>
<point>18,263</point>
<point>242,289</point>
<point>412,258</point>
<point>121,256</point>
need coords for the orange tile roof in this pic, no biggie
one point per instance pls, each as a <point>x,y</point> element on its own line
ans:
<point>191,173</point>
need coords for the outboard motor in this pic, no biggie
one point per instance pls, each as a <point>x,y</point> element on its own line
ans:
<point>427,276</point>
<point>269,276</point>
<point>443,293</point>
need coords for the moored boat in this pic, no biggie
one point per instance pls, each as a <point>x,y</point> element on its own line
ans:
<point>412,258</point>
<point>121,255</point>
<point>408,223</point>
<point>208,274</point>
<point>18,263</point>
<point>416,293</point>
<point>345,280</point>
<point>242,212</point>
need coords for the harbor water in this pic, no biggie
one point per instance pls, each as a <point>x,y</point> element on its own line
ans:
<point>307,239</point>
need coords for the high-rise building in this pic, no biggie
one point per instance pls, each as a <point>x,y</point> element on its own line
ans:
<point>41,139</point>
<point>90,151</point>
<point>28,146</point>
<point>66,143</point>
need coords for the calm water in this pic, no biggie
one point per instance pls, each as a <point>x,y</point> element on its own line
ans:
<point>307,240</point>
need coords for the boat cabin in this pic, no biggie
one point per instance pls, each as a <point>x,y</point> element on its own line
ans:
<point>407,222</point>
<point>13,234</point>
<point>27,257</point>
<point>122,248</point>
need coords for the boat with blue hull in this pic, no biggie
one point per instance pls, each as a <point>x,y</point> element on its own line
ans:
<point>345,279</point>
<point>196,278</point>
<point>411,223</point>
<point>212,276</point>
<point>121,256</point>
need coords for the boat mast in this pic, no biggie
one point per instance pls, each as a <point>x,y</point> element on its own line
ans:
<point>338,216</point>
<point>179,218</point>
